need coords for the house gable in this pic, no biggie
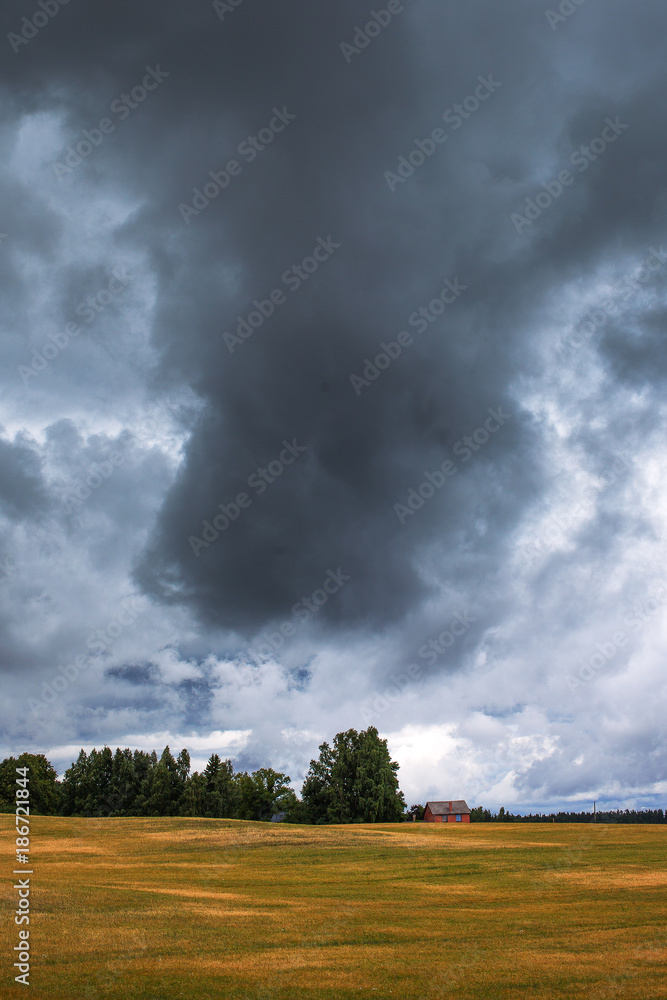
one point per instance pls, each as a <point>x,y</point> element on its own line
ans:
<point>447,811</point>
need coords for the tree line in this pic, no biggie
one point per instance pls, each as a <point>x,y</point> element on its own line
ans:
<point>352,781</point>
<point>480,815</point>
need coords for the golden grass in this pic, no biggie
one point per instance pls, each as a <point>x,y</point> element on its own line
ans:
<point>164,908</point>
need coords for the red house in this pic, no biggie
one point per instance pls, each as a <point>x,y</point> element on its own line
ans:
<point>453,811</point>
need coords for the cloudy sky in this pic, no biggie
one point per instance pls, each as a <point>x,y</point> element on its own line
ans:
<point>334,386</point>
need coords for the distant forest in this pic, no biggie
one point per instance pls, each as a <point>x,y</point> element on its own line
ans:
<point>352,781</point>
<point>479,815</point>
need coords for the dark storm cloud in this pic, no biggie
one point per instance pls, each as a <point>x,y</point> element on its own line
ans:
<point>291,378</point>
<point>323,178</point>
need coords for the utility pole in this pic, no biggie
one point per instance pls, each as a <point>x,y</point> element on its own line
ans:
<point>595,815</point>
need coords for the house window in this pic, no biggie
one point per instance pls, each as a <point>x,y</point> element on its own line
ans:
<point>458,819</point>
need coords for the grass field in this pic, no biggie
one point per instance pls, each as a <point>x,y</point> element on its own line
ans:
<point>169,908</point>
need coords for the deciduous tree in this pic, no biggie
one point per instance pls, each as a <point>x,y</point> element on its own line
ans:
<point>353,782</point>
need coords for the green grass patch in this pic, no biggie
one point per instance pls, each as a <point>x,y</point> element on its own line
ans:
<point>146,908</point>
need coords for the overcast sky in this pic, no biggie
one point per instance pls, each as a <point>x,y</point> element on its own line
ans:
<point>334,388</point>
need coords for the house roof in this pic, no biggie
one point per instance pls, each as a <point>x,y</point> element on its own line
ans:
<point>449,807</point>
